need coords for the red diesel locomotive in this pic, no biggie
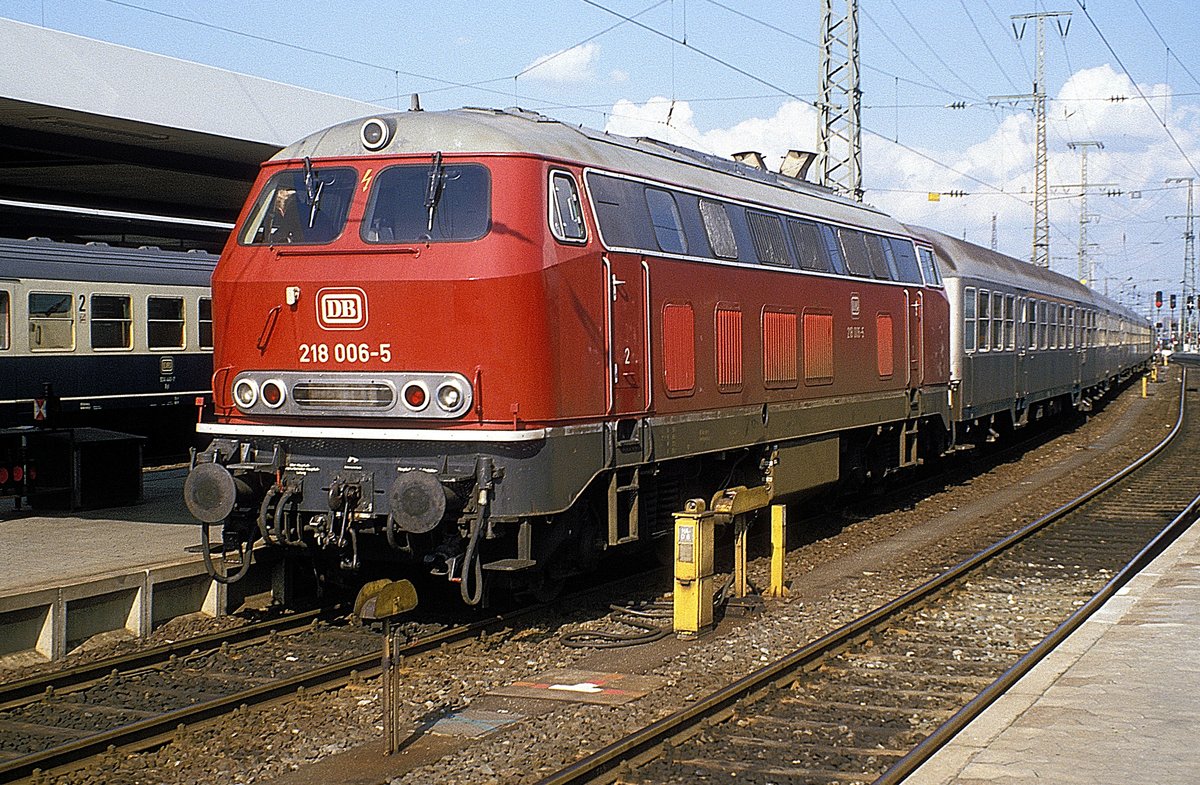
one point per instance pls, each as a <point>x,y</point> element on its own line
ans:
<point>482,343</point>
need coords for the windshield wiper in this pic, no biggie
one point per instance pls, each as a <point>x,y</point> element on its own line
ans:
<point>312,188</point>
<point>433,191</point>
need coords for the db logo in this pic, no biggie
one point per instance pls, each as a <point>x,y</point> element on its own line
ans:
<point>343,308</point>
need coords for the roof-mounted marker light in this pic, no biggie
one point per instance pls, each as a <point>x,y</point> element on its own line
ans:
<point>375,133</point>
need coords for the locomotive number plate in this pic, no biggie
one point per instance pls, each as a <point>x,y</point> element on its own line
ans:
<point>349,353</point>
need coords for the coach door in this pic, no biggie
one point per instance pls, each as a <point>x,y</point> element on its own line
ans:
<point>1026,339</point>
<point>627,281</point>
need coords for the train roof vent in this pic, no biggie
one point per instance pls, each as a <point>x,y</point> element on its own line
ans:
<point>751,158</point>
<point>40,240</point>
<point>796,163</point>
<point>96,244</point>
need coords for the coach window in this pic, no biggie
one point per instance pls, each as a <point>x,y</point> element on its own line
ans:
<point>1010,320</point>
<point>998,317</point>
<point>985,320</point>
<point>766,232</point>
<point>164,322</point>
<point>1070,327</point>
<point>51,321</point>
<point>1062,327</point>
<point>5,325</point>
<point>112,324</point>
<point>719,229</point>
<point>566,216</point>
<point>1041,317</point>
<point>664,216</point>
<point>205,326</point>
<point>969,319</point>
<point>299,207</point>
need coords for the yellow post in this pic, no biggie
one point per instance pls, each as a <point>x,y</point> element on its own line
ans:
<point>693,599</point>
<point>1144,386</point>
<point>778,550</point>
<point>741,581</point>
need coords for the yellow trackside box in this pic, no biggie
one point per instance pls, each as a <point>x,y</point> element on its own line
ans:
<point>693,603</point>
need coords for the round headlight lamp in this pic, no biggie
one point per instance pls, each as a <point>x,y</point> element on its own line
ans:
<point>245,393</point>
<point>449,397</point>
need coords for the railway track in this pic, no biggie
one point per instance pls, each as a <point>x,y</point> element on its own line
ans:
<point>871,701</point>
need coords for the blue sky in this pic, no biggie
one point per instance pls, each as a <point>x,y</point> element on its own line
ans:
<point>742,75</point>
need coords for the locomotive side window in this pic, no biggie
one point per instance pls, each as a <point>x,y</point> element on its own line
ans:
<point>929,267</point>
<point>664,216</point>
<point>876,257</point>
<point>51,321</point>
<point>112,321</point>
<point>807,240</point>
<point>416,202</point>
<point>834,248</point>
<point>299,207</point>
<point>719,229</point>
<point>907,267</point>
<point>969,319</point>
<point>5,325</point>
<point>164,322</point>
<point>205,327</point>
<point>766,231</point>
<point>566,215</point>
<point>856,252</point>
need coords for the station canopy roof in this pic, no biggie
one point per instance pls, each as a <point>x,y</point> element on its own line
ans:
<point>107,143</point>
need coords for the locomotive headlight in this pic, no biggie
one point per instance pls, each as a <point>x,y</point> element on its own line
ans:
<point>245,392</point>
<point>449,396</point>
<point>416,395</point>
<point>375,133</point>
<point>273,393</point>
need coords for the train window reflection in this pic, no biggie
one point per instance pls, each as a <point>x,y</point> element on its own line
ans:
<point>295,208</point>
<point>664,217</point>
<point>164,322</point>
<point>112,324</point>
<point>51,321</point>
<point>5,325</point>
<point>402,210</point>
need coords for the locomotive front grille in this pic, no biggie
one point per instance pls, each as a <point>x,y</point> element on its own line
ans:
<point>356,395</point>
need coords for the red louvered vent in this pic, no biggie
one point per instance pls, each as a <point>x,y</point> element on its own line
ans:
<point>818,348</point>
<point>780,355</point>
<point>884,353</point>
<point>729,348</point>
<point>679,348</point>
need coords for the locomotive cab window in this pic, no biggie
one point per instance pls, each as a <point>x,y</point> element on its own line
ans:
<point>5,324</point>
<point>429,202</point>
<point>112,322</point>
<point>566,215</point>
<point>51,321</point>
<point>164,322</point>
<point>908,269</point>
<point>301,206</point>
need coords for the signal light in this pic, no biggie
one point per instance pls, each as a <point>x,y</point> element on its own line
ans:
<point>415,396</point>
<point>3,475</point>
<point>1172,302</point>
<point>1158,299</point>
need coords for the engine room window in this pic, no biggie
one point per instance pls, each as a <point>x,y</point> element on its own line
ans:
<point>5,324</point>
<point>719,229</point>
<point>164,322</point>
<point>664,216</point>
<point>766,232</point>
<point>429,202</point>
<point>856,252</point>
<point>112,322</point>
<point>51,321</point>
<point>566,215</point>
<point>807,239</point>
<point>206,323</point>
<point>298,207</point>
<point>876,257</point>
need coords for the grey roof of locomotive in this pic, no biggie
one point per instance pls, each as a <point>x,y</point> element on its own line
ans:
<point>516,131</point>
<point>49,260</point>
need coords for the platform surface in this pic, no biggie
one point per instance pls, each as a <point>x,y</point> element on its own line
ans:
<point>48,549</point>
<point>1117,703</point>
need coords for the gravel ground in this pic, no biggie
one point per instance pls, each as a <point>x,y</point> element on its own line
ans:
<point>875,551</point>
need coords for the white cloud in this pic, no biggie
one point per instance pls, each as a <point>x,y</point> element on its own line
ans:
<point>576,64</point>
